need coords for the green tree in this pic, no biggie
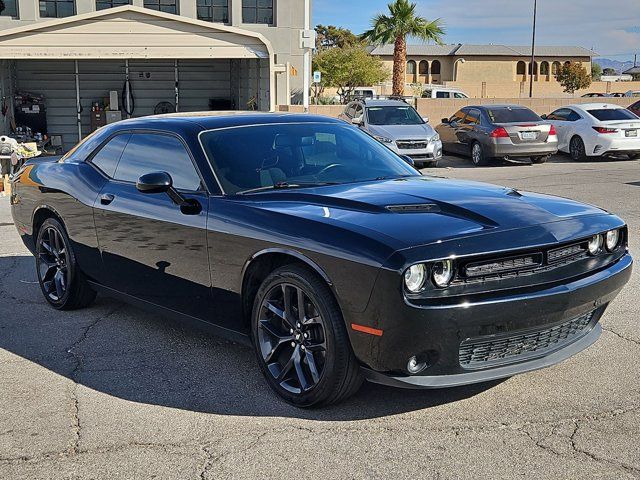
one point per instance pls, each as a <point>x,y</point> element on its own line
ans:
<point>330,36</point>
<point>349,67</point>
<point>608,71</point>
<point>402,22</point>
<point>596,72</point>
<point>573,76</point>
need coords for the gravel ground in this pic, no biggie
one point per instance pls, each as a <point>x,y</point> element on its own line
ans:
<point>116,393</point>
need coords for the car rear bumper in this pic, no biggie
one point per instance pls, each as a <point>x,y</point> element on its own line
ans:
<point>439,334</point>
<point>521,150</point>
<point>613,146</point>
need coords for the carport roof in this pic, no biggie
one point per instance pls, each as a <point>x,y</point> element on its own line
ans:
<point>131,32</point>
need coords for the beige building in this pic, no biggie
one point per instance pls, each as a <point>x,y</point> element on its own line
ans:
<point>487,70</point>
<point>181,55</point>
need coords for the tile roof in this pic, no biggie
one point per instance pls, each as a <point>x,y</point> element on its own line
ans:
<point>491,50</point>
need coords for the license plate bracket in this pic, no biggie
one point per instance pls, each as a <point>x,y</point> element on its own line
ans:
<point>631,133</point>
<point>529,135</point>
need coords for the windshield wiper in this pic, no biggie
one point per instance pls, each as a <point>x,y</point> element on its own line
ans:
<point>286,185</point>
<point>393,177</point>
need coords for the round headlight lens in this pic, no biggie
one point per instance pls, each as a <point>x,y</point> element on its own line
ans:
<point>414,277</point>
<point>613,239</point>
<point>595,244</point>
<point>442,273</point>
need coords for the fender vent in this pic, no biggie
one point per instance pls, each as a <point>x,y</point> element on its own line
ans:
<point>415,208</point>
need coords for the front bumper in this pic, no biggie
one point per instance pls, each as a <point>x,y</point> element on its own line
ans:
<point>436,331</point>
<point>432,153</point>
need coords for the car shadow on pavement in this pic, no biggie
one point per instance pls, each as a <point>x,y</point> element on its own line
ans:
<point>130,354</point>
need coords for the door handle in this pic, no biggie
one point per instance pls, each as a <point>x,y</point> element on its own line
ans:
<point>106,198</point>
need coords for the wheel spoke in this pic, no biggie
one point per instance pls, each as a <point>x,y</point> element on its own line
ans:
<point>57,280</point>
<point>302,379</point>
<point>275,310</point>
<point>313,368</point>
<point>288,366</point>
<point>301,309</point>
<point>317,347</point>
<point>315,320</point>
<point>288,315</point>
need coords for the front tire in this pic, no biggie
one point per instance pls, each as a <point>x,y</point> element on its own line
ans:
<point>478,156</point>
<point>577,149</point>
<point>300,339</point>
<point>62,282</point>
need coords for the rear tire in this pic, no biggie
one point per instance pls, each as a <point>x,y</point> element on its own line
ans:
<point>634,156</point>
<point>478,156</point>
<point>62,282</point>
<point>304,352</point>
<point>577,149</point>
<point>538,160</point>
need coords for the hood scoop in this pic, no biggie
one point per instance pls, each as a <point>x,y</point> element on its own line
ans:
<point>415,208</point>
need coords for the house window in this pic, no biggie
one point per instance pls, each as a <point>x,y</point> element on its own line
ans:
<point>213,10</point>
<point>555,67</point>
<point>423,68</point>
<point>257,11</point>
<point>57,8</point>
<point>521,69</point>
<point>544,68</point>
<point>411,67</point>
<point>166,6</point>
<point>10,8</point>
<point>103,4</point>
<point>533,68</point>
<point>435,67</point>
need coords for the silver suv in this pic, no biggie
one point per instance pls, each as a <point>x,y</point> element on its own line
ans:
<point>397,125</point>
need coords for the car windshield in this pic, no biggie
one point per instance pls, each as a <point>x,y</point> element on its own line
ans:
<point>510,115</point>
<point>395,115</point>
<point>605,114</point>
<point>297,155</point>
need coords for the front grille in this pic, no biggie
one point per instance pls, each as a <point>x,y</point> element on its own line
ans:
<point>482,352</point>
<point>503,265</point>
<point>412,144</point>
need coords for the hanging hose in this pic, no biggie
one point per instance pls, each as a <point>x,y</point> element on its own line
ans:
<point>128,103</point>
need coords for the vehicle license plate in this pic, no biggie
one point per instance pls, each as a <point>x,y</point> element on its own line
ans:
<point>529,135</point>
<point>631,133</point>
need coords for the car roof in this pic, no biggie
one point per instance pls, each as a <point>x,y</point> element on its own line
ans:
<point>591,106</point>
<point>384,102</point>
<point>498,106</point>
<point>213,120</point>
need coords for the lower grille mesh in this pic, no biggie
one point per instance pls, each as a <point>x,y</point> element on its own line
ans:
<point>479,353</point>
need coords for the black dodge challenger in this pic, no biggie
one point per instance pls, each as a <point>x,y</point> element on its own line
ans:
<point>332,256</point>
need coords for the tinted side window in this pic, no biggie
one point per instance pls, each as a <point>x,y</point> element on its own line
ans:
<point>108,156</point>
<point>473,117</point>
<point>458,116</point>
<point>148,152</point>
<point>573,116</point>
<point>561,114</point>
<point>442,95</point>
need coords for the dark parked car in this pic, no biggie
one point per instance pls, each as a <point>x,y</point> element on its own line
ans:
<point>635,108</point>
<point>498,131</point>
<point>307,238</point>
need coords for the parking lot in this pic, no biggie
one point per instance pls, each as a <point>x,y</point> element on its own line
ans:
<point>114,392</point>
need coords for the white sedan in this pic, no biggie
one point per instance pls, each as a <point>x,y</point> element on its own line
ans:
<point>591,130</point>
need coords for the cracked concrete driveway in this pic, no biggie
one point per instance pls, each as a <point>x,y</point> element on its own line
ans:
<point>113,392</point>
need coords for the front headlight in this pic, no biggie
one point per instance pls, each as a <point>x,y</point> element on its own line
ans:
<point>442,273</point>
<point>612,240</point>
<point>595,244</point>
<point>414,277</point>
<point>383,139</point>
<point>435,138</point>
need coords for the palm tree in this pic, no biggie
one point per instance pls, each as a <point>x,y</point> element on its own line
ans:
<point>401,22</point>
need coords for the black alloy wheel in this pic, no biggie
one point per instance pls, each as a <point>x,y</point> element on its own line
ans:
<point>62,283</point>
<point>301,341</point>
<point>577,149</point>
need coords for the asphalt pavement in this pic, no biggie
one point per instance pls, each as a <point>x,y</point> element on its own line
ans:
<point>112,392</point>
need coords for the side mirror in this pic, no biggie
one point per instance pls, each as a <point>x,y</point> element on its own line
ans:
<point>408,159</point>
<point>425,119</point>
<point>356,120</point>
<point>445,120</point>
<point>161,182</point>
<point>155,182</point>
<point>543,116</point>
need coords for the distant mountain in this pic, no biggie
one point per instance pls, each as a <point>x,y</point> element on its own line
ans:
<point>615,64</point>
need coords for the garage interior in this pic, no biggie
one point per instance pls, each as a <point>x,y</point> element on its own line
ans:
<point>63,93</point>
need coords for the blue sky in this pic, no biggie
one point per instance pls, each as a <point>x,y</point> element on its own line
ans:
<point>610,27</point>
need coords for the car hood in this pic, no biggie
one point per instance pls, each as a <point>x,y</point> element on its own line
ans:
<point>421,210</point>
<point>404,132</point>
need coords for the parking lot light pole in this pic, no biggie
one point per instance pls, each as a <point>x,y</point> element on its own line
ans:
<point>306,59</point>
<point>533,49</point>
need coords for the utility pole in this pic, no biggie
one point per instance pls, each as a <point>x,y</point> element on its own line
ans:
<point>307,38</point>
<point>533,49</point>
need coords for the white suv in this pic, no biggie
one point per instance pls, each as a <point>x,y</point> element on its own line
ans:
<point>443,92</point>
<point>398,126</point>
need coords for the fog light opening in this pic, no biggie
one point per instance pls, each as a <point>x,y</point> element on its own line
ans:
<point>416,365</point>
